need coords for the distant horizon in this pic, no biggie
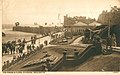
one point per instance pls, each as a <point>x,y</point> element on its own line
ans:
<point>9,26</point>
<point>46,22</point>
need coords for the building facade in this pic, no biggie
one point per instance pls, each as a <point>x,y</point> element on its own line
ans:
<point>76,25</point>
<point>75,29</point>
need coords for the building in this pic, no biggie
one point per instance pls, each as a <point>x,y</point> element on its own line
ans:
<point>94,24</point>
<point>76,25</point>
<point>110,18</point>
<point>75,29</point>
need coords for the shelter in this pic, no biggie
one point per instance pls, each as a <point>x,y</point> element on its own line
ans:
<point>77,28</point>
<point>94,24</point>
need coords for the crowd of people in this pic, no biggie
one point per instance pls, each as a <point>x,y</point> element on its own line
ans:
<point>18,46</point>
<point>23,48</point>
<point>12,47</point>
<point>31,50</point>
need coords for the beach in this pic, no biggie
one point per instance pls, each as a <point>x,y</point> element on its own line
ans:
<point>15,35</point>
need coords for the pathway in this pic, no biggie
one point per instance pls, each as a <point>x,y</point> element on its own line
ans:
<point>38,42</point>
<point>78,42</point>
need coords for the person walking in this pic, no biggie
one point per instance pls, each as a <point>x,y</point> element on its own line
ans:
<point>46,42</point>
<point>19,41</point>
<point>24,41</point>
<point>9,46</point>
<point>17,48</point>
<point>21,49</point>
<point>28,48</point>
<point>13,47</point>
<point>34,39</point>
<point>109,43</point>
<point>33,47</point>
<point>4,49</point>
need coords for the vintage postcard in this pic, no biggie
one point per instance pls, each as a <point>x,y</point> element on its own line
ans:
<point>46,36</point>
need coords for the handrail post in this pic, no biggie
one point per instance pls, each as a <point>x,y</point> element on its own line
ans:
<point>76,54</point>
<point>64,54</point>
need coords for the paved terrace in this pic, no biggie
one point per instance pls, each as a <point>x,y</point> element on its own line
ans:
<point>56,51</point>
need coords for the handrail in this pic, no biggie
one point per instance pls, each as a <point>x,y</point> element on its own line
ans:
<point>80,54</point>
<point>84,56</point>
<point>56,64</point>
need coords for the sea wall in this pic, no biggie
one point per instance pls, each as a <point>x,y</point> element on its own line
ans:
<point>39,30</point>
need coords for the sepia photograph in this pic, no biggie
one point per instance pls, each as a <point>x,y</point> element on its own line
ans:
<point>60,36</point>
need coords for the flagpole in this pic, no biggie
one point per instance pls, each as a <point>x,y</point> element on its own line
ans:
<point>109,25</point>
<point>59,16</point>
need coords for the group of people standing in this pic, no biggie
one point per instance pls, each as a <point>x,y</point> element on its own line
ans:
<point>12,47</point>
<point>17,46</point>
<point>33,39</point>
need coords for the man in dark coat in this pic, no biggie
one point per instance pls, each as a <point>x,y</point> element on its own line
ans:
<point>9,46</point>
<point>46,42</point>
<point>4,48</point>
<point>32,42</point>
<point>109,43</point>
<point>34,39</point>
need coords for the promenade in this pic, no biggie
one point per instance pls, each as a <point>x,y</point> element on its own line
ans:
<point>57,51</point>
<point>38,42</point>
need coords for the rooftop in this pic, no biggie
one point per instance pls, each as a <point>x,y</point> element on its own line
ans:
<point>80,24</point>
<point>95,24</point>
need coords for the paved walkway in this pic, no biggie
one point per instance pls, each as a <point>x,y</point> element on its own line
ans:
<point>38,42</point>
<point>78,42</point>
<point>41,41</point>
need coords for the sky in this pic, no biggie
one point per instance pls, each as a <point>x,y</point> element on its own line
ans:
<point>0,11</point>
<point>41,11</point>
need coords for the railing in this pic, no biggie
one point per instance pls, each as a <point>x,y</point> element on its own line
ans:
<point>57,64</point>
<point>34,39</point>
<point>86,49</point>
<point>89,52</point>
